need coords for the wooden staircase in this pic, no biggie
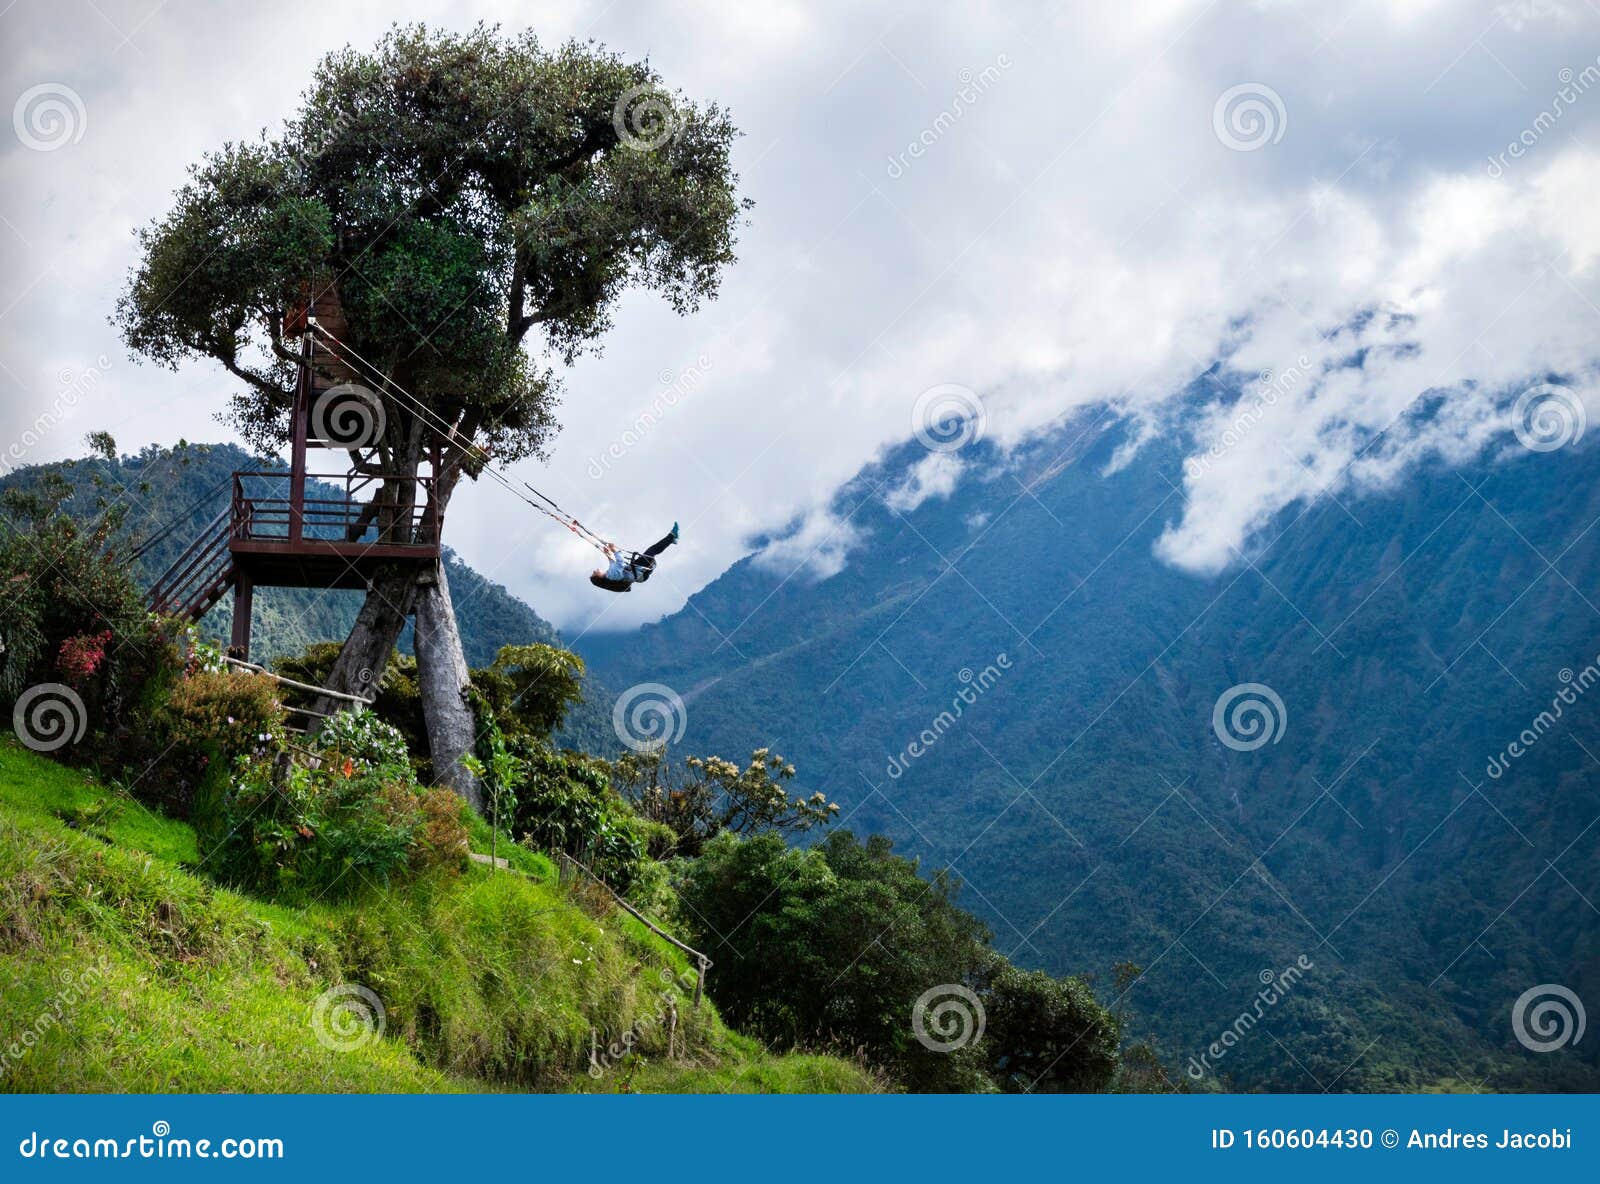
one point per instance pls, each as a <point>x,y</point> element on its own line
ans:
<point>198,577</point>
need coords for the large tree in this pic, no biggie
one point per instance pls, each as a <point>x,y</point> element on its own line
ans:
<point>480,202</point>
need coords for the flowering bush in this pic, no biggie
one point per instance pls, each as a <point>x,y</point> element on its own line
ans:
<point>333,827</point>
<point>81,655</point>
<point>206,722</point>
<point>360,736</point>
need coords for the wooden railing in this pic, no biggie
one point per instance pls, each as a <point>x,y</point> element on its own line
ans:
<point>268,508</point>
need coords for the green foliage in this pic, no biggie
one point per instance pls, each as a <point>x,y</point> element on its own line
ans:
<point>564,802</point>
<point>839,942</point>
<point>70,610</point>
<point>711,796</point>
<point>487,980</point>
<point>359,735</point>
<point>531,687</point>
<point>199,724</point>
<point>351,820</point>
<point>1044,1034</point>
<point>482,184</point>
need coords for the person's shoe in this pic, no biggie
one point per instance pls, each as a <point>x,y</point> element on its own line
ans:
<point>674,532</point>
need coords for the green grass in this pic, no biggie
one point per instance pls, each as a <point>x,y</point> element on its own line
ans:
<point>133,972</point>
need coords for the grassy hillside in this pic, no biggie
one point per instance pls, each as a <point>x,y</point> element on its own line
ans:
<point>123,969</point>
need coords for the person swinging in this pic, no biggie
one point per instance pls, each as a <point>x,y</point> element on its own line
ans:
<point>628,568</point>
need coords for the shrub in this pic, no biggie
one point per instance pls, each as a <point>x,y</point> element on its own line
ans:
<point>563,801</point>
<point>354,816</point>
<point>303,831</point>
<point>207,720</point>
<point>359,735</point>
<point>70,611</point>
<point>839,942</point>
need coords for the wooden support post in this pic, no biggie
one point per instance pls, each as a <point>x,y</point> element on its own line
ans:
<point>299,426</point>
<point>700,979</point>
<point>243,597</point>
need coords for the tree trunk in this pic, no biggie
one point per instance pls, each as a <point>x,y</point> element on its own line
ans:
<point>442,677</point>
<point>372,639</point>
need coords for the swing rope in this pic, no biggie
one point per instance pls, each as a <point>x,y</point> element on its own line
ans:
<point>550,508</point>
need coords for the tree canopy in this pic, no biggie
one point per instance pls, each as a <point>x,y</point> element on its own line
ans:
<point>463,191</point>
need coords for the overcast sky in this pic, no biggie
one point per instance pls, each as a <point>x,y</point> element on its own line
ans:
<point>1044,205</point>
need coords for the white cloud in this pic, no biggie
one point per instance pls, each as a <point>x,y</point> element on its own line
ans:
<point>818,547</point>
<point>935,475</point>
<point>1079,235</point>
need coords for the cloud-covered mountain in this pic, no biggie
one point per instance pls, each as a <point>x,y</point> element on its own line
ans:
<point>1307,754</point>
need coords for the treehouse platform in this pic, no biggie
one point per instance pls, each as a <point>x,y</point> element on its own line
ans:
<point>299,529</point>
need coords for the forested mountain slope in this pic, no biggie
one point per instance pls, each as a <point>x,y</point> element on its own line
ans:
<point>1009,682</point>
